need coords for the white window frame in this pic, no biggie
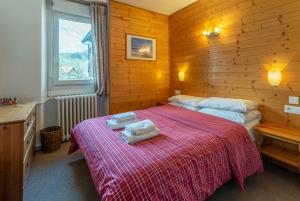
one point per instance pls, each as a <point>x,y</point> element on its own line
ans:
<point>58,87</point>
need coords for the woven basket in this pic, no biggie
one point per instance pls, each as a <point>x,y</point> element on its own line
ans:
<point>51,138</point>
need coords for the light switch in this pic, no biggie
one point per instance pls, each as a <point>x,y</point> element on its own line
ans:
<point>177,92</point>
<point>293,100</point>
<point>291,109</point>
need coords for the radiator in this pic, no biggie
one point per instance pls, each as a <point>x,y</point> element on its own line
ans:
<point>73,109</point>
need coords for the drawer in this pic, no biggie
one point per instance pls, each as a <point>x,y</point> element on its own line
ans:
<point>30,118</point>
<point>32,114</point>
<point>28,160</point>
<point>27,124</point>
<point>28,137</point>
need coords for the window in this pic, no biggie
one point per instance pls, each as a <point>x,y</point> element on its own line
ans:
<point>74,50</point>
<point>71,68</point>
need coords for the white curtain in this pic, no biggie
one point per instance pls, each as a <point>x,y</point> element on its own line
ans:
<point>100,39</point>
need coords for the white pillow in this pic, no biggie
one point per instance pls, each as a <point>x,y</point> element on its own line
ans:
<point>176,104</point>
<point>185,106</point>
<point>241,118</point>
<point>228,104</point>
<point>186,100</point>
<point>189,107</point>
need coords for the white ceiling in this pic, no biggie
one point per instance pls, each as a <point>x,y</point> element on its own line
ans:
<point>166,7</point>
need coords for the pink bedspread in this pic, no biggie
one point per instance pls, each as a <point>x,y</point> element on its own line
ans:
<point>194,155</point>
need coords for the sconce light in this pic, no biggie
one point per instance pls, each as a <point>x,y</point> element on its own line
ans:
<point>274,77</point>
<point>216,32</point>
<point>181,76</point>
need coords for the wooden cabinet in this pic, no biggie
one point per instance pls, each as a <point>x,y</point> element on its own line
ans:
<point>17,148</point>
<point>280,143</point>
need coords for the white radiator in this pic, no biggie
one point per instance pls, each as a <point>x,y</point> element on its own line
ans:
<point>73,109</point>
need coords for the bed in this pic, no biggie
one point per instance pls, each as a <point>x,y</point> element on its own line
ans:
<point>195,154</point>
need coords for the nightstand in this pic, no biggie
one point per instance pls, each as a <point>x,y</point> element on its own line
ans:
<point>287,148</point>
<point>162,103</point>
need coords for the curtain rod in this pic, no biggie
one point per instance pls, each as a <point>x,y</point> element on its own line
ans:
<point>87,2</point>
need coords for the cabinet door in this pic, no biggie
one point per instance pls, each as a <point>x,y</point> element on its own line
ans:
<point>11,162</point>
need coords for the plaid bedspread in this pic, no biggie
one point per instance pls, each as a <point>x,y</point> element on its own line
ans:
<point>194,155</point>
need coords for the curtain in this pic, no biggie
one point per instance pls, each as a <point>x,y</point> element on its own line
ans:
<point>100,38</point>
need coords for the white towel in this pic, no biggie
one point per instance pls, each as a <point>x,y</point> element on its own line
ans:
<point>124,117</point>
<point>115,125</point>
<point>140,128</point>
<point>132,139</point>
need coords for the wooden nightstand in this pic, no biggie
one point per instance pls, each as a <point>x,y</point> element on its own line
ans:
<point>280,143</point>
<point>162,103</point>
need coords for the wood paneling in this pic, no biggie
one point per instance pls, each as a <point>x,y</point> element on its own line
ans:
<point>256,35</point>
<point>137,84</point>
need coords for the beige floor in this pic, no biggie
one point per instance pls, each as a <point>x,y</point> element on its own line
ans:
<point>59,177</point>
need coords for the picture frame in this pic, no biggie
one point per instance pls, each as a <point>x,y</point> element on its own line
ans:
<point>140,48</point>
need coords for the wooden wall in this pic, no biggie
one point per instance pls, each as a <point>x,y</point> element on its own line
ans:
<point>256,35</point>
<point>137,84</point>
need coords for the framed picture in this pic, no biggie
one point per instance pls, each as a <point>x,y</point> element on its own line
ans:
<point>140,48</point>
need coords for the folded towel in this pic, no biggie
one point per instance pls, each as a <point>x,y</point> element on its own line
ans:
<point>140,128</point>
<point>132,139</point>
<point>124,117</point>
<point>115,125</point>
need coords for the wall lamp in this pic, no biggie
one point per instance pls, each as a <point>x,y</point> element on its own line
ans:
<point>216,32</point>
<point>181,76</point>
<point>274,77</point>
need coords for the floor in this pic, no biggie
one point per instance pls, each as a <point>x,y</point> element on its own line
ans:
<point>59,177</point>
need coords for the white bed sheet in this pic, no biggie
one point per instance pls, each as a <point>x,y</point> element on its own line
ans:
<point>250,127</point>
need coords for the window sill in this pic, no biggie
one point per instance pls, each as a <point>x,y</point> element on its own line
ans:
<point>74,91</point>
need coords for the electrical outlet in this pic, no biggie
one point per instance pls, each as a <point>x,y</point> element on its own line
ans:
<point>293,100</point>
<point>177,92</point>
<point>291,109</point>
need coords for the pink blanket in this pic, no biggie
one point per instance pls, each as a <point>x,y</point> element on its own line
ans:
<point>194,155</point>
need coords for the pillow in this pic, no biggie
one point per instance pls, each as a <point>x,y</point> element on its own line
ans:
<point>186,100</point>
<point>236,105</point>
<point>189,107</point>
<point>241,118</point>
<point>185,106</point>
<point>176,104</point>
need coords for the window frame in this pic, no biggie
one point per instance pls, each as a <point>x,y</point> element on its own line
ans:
<point>63,87</point>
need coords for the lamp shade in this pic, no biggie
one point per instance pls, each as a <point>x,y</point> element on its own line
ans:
<point>216,31</point>
<point>274,77</point>
<point>181,76</point>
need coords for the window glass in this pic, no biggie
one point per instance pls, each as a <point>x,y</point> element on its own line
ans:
<point>74,50</point>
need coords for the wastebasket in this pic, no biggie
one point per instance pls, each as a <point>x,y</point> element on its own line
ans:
<point>51,138</point>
